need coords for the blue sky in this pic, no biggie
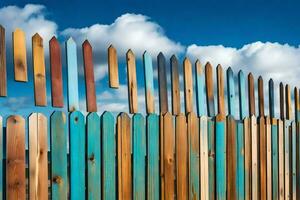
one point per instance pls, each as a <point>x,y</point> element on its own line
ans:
<point>258,36</point>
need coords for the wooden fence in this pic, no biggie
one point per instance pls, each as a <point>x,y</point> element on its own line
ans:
<point>204,154</point>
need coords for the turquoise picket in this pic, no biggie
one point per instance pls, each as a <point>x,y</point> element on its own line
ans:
<point>153,157</point>
<point>242,94</point>
<point>93,156</point>
<point>139,157</point>
<point>211,158</point>
<point>77,155</point>
<point>274,132</point>
<point>220,157</point>
<point>149,85</point>
<point>294,158</point>
<point>200,89</point>
<point>59,163</point>
<point>71,52</point>
<point>230,92</point>
<point>108,156</point>
<point>240,161</point>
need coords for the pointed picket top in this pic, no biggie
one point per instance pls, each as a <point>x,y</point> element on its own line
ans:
<point>174,58</point>
<point>86,44</point>
<point>220,90</point>
<point>161,55</point>
<point>53,40</point>
<point>130,53</point>
<point>149,85</point>
<point>188,85</point>
<point>70,41</point>
<point>1,27</point>
<point>242,94</point>
<point>199,68</point>
<point>187,61</point>
<point>251,94</point>
<point>271,99</point>
<point>37,36</point>
<point>288,100</point>
<point>209,89</point>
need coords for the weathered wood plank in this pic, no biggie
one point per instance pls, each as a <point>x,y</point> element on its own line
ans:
<point>181,153</point>
<point>254,152</point>
<point>231,92</point>
<point>139,157</point>
<point>297,104</point>
<point>262,158</point>
<point>209,81</point>
<point>153,157</point>
<point>19,53</point>
<point>288,102</point>
<point>124,157</point>
<point>294,158</point>
<point>3,84</point>
<point>59,163</point>
<point>161,156</point>
<point>269,157</point>
<point>211,158</point>
<point>251,95</point>
<point>113,70</point>
<point>200,89</point>
<point>77,155</point>
<point>281,101</point>
<point>2,173</point>
<point>188,85</point>
<point>271,99</point>
<point>131,82</point>
<point>176,107</point>
<point>38,157</point>
<point>72,72</point>
<point>220,91</point>
<point>274,132</point>
<point>194,150</point>
<point>248,159</point>
<point>149,85</point>
<point>242,94</point>
<point>281,159</point>
<point>287,172</point>
<point>261,100</point>
<point>221,178</point>
<point>39,71</point>
<point>240,183</point>
<point>15,158</point>
<point>93,138</point>
<point>56,73</point>
<point>162,83</point>
<point>109,186</point>
<point>91,101</point>
<point>298,159</point>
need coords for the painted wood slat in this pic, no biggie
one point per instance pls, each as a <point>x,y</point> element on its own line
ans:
<point>221,179</point>
<point>113,70</point>
<point>188,85</point>
<point>271,99</point>
<point>2,174</point>
<point>109,186</point>
<point>3,84</point>
<point>39,71</point>
<point>176,107</point>
<point>209,81</point>
<point>38,157</point>
<point>131,82</point>
<point>297,104</point>
<point>268,157</point>
<point>19,53</point>
<point>91,101</point>
<point>288,102</point>
<point>93,138</point>
<point>15,158</point>
<point>72,73</point>
<point>262,158</point>
<point>124,157</point>
<point>242,94</point>
<point>281,159</point>
<point>231,92</point>
<point>59,163</point>
<point>149,85</point>
<point>248,158</point>
<point>204,165</point>
<point>240,181</point>
<point>294,164</point>
<point>169,160</point>
<point>298,159</point>
<point>56,73</point>
<point>254,152</point>
<point>162,83</point>
<point>274,133</point>
<point>261,101</point>
<point>181,157</point>
<point>194,155</point>
<point>251,95</point>
<point>287,172</point>
<point>231,158</point>
<point>161,154</point>
<point>211,158</point>
<point>220,90</point>
<point>153,157</point>
<point>139,157</point>
<point>281,101</point>
<point>77,155</point>
<point>200,89</point>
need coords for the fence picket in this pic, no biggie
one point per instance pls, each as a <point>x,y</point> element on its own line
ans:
<point>162,83</point>
<point>188,85</point>
<point>200,89</point>
<point>287,166</point>
<point>77,155</point>
<point>281,101</point>
<point>38,157</point>
<point>254,152</point>
<point>15,158</point>
<point>297,104</point>
<point>261,101</point>
<point>113,70</point>
<point>2,172</point>
<point>209,81</point>
<point>230,92</point>
<point>281,159</point>
<point>240,184</point>
<point>271,99</point>
<point>59,161</point>
<point>298,159</point>
<point>131,82</point>
<point>3,87</point>
<point>251,95</point>
<point>268,157</point>
<point>93,138</point>
<point>176,107</point>
<point>220,91</point>
<point>19,53</point>
<point>274,132</point>
<point>288,100</point>
<point>39,71</point>
<point>262,157</point>
<point>294,158</point>
<point>211,157</point>
<point>248,158</point>
<point>242,94</point>
<point>149,85</point>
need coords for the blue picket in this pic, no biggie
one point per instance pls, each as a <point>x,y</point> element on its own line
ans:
<point>230,92</point>
<point>242,94</point>
<point>59,163</point>
<point>71,53</point>
<point>274,132</point>
<point>153,157</point>
<point>93,156</point>
<point>139,157</point>
<point>240,182</point>
<point>108,156</point>
<point>149,85</point>
<point>200,89</point>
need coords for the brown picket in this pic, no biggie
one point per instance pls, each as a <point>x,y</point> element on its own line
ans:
<point>113,70</point>
<point>261,106</point>
<point>220,89</point>
<point>262,159</point>
<point>209,81</point>
<point>288,102</point>
<point>131,82</point>
<point>281,159</point>
<point>188,85</point>
<point>3,90</point>
<point>281,101</point>
<point>251,95</point>
<point>176,107</point>
<point>19,53</point>
<point>248,158</point>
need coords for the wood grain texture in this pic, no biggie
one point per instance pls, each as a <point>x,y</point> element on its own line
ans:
<point>15,158</point>
<point>2,167</point>
<point>261,100</point>
<point>56,73</point>
<point>19,53</point>
<point>296,104</point>
<point>3,84</point>
<point>162,83</point>
<point>251,94</point>
<point>200,89</point>
<point>262,159</point>
<point>188,85</point>
<point>91,101</point>
<point>281,101</point>
<point>271,99</point>
<point>255,153</point>
<point>240,182</point>
<point>209,90</point>
<point>274,133</point>
<point>211,158</point>
<point>268,134</point>
<point>297,159</point>
<point>288,102</point>
<point>248,159</point>
<point>39,71</point>
<point>293,161</point>
<point>287,159</point>
<point>231,92</point>
<point>38,156</point>
<point>124,157</point>
<point>113,70</point>
<point>220,91</point>
<point>242,94</point>
<point>176,107</point>
<point>149,85</point>
<point>131,82</point>
<point>181,153</point>
<point>281,159</point>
